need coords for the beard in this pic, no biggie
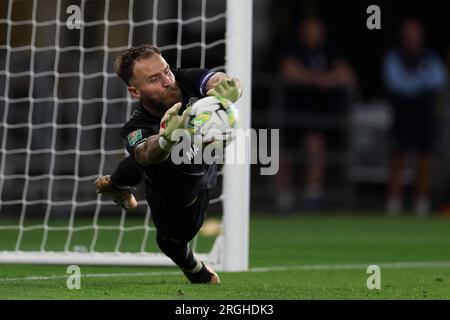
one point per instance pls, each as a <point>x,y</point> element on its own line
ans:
<point>166,99</point>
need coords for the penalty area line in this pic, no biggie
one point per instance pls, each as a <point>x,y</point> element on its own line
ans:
<point>337,267</point>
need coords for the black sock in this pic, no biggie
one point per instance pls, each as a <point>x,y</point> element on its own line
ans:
<point>127,173</point>
<point>179,252</point>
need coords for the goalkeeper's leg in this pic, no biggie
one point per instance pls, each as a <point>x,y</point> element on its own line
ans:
<point>127,174</point>
<point>176,227</point>
<point>180,253</point>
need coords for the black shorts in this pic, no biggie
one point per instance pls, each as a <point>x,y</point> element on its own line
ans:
<point>415,126</point>
<point>175,222</point>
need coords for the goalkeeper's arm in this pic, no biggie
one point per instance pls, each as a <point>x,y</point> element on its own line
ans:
<point>157,148</point>
<point>222,85</point>
<point>151,152</point>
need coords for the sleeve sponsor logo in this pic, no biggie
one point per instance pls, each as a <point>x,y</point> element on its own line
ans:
<point>134,137</point>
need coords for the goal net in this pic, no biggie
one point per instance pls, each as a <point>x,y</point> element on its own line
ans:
<point>62,108</point>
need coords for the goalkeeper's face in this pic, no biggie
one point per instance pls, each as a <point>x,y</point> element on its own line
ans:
<point>155,84</point>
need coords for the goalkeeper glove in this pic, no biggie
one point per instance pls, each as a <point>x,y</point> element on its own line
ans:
<point>226,89</point>
<point>170,122</point>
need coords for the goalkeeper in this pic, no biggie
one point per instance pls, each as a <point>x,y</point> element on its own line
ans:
<point>177,194</point>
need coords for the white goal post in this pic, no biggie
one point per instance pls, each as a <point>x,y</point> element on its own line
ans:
<point>230,249</point>
<point>237,176</point>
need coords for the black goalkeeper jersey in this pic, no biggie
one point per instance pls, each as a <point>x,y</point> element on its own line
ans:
<point>176,184</point>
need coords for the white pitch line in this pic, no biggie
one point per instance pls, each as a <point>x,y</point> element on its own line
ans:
<point>386,265</point>
<point>358,266</point>
<point>95,275</point>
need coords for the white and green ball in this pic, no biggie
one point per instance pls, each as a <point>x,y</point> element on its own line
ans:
<point>210,121</point>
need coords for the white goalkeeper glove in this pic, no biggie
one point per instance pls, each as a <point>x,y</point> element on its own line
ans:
<point>170,122</point>
<point>226,90</point>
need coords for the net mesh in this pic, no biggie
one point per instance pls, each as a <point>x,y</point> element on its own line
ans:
<point>62,108</point>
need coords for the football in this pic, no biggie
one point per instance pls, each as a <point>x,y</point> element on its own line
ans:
<point>210,121</point>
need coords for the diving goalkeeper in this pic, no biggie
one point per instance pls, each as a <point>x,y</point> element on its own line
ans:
<point>177,194</point>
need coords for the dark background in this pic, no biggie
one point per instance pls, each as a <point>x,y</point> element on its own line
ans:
<point>274,25</point>
<point>347,32</point>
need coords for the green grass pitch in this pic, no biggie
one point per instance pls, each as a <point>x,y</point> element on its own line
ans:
<point>295,257</point>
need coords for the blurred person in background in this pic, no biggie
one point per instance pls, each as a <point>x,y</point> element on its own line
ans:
<point>413,74</point>
<point>317,80</point>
